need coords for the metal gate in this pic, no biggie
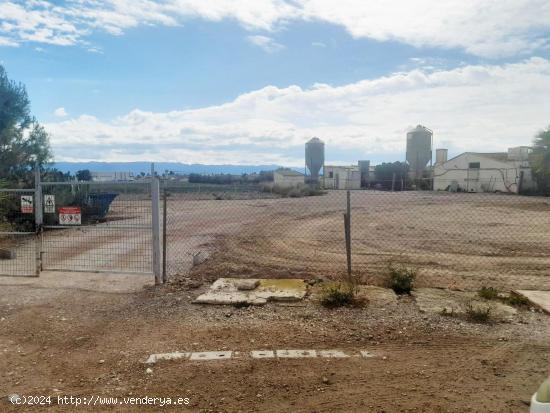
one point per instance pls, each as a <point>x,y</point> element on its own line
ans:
<point>19,246</point>
<point>98,227</point>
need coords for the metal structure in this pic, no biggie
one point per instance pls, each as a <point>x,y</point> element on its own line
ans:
<point>441,156</point>
<point>315,158</point>
<point>364,167</point>
<point>419,150</point>
<point>81,226</point>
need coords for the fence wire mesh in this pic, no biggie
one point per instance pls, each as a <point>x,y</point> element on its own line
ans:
<point>18,248</point>
<point>457,240</point>
<point>115,230</point>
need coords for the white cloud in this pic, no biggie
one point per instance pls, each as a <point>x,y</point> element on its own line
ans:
<point>265,43</point>
<point>318,44</point>
<point>480,27</point>
<point>483,108</point>
<point>60,113</point>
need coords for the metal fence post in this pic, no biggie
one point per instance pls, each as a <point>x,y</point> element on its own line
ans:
<point>155,209</point>
<point>164,235</point>
<point>38,218</point>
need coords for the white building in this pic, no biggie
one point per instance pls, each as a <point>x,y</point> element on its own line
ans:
<point>484,172</point>
<point>112,176</point>
<point>288,178</point>
<point>341,177</point>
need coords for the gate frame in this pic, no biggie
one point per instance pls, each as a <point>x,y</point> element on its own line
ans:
<point>154,185</point>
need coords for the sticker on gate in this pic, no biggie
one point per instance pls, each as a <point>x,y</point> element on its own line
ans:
<point>27,204</point>
<point>49,204</point>
<point>70,216</point>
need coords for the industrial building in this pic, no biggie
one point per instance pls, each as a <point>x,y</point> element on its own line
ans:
<point>342,177</point>
<point>484,172</point>
<point>288,178</point>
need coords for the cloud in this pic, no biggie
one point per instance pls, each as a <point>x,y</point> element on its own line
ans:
<point>60,113</point>
<point>472,108</point>
<point>479,27</point>
<point>318,44</point>
<point>265,43</point>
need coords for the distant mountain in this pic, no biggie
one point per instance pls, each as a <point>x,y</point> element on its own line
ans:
<point>161,167</point>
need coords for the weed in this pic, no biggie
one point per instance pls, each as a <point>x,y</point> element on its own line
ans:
<point>478,313</point>
<point>489,293</point>
<point>517,301</point>
<point>401,280</point>
<point>338,295</point>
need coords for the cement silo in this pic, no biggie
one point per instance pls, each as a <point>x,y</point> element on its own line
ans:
<point>419,150</point>
<point>315,158</point>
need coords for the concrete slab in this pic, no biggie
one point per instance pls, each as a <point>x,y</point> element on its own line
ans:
<point>228,291</point>
<point>295,354</point>
<point>262,354</point>
<point>153,358</point>
<point>433,300</point>
<point>540,299</point>
<point>367,354</point>
<point>332,354</point>
<point>211,355</point>
<point>378,296</point>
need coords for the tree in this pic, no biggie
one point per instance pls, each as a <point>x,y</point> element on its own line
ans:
<point>84,175</point>
<point>22,140</point>
<point>540,160</point>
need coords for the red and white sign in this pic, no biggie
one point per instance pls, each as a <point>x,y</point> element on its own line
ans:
<point>70,216</point>
<point>27,204</point>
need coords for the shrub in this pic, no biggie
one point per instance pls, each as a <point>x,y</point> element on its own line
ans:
<point>478,313</point>
<point>338,295</point>
<point>489,293</point>
<point>401,280</point>
<point>293,191</point>
<point>517,301</point>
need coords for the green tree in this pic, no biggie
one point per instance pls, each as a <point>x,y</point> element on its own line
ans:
<point>22,140</point>
<point>540,160</point>
<point>84,175</point>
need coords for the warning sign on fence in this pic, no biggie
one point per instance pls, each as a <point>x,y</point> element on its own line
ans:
<point>49,204</point>
<point>27,204</point>
<point>70,216</point>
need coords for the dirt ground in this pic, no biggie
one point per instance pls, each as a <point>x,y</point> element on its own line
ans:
<point>89,334</point>
<point>462,241</point>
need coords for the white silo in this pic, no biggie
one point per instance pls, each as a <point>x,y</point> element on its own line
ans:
<point>315,158</point>
<point>419,150</point>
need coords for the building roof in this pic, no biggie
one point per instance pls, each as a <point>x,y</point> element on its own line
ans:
<point>497,156</point>
<point>288,172</point>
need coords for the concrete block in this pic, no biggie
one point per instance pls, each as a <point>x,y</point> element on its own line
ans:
<point>262,354</point>
<point>211,355</point>
<point>246,285</point>
<point>367,354</point>
<point>332,354</point>
<point>153,358</point>
<point>295,354</point>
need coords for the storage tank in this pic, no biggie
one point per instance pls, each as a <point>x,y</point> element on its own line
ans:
<point>440,156</point>
<point>364,167</point>
<point>419,150</point>
<point>315,157</point>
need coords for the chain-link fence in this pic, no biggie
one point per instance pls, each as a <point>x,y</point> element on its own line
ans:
<point>95,226</point>
<point>18,241</point>
<point>459,240</point>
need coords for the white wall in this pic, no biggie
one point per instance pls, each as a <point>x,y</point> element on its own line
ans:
<point>343,177</point>
<point>287,181</point>
<point>492,176</point>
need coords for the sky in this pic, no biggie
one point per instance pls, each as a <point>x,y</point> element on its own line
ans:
<point>249,81</point>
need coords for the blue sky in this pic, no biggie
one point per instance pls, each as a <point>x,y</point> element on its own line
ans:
<point>241,82</point>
